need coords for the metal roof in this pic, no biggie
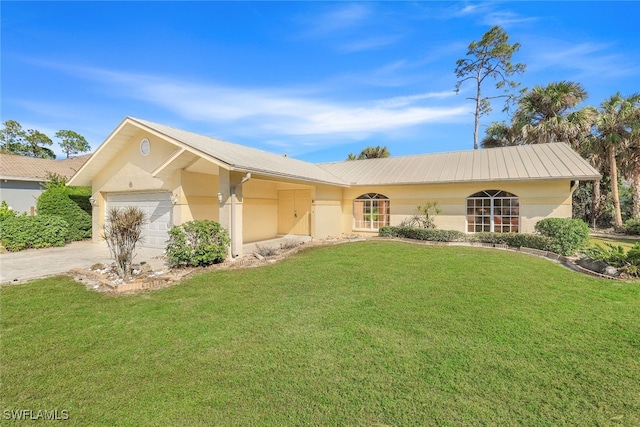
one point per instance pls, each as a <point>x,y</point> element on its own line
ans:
<point>247,159</point>
<point>524,162</point>
<point>234,157</point>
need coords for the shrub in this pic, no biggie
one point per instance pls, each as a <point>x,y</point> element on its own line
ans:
<point>516,240</point>
<point>429,234</point>
<point>25,232</point>
<point>267,251</point>
<point>628,262</point>
<point>122,231</point>
<point>425,218</point>
<point>632,226</point>
<point>6,211</point>
<point>197,243</point>
<point>567,235</point>
<point>57,201</point>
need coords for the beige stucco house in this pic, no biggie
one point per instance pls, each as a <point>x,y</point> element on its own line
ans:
<point>178,176</point>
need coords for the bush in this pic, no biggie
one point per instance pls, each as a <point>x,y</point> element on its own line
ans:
<point>516,240</point>
<point>632,226</point>
<point>26,232</point>
<point>628,262</point>
<point>567,235</point>
<point>56,201</point>
<point>197,243</point>
<point>122,231</point>
<point>6,211</point>
<point>429,234</point>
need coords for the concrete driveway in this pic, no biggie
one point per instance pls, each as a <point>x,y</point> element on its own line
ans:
<point>19,267</point>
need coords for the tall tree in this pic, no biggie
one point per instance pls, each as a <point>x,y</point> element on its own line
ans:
<point>12,138</point>
<point>72,143</point>
<point>617,118</point>
<point>33,143</point>
<point>37,143</point>
<point>376,152</point>
<point>632,168</point>
<point>500,134</point>
<point>544,114</point>
<point>489,58</point>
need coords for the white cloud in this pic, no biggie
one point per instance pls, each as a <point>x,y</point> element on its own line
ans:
<point>344,17</point>
<point>590,59</point>
<point>369,44</point>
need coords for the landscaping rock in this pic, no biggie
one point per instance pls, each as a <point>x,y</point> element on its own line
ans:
<point>595,265</point>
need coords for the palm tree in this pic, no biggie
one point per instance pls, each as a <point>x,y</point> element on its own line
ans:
<point>544,114</point>
<point>370,153</point>
<point>616,120</point>
<point>499,134</point>
<point>630,165</point>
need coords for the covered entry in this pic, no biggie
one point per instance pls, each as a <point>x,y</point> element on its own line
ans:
<point>157,208</point>
<point>294,212</point>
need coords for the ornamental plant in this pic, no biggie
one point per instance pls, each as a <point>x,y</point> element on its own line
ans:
<point>122,231</point>
<point>567,235</point>
<point>197,243</point>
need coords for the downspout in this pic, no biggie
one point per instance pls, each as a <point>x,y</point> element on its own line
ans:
<point>246,178</point>
<point>574,186</point>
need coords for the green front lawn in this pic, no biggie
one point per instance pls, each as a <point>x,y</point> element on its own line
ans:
<point>371,333</point>
<point>626,242</point>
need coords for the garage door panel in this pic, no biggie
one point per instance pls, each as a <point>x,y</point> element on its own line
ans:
<point>157,208</point>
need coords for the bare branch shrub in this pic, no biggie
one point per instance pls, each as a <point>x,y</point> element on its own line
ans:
<point>122,231</point>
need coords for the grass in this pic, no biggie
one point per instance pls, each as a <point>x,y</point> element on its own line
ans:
<point>370,333</point>
<point>626,243</point>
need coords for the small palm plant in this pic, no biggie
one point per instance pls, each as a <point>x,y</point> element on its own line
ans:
<point>122,231</point>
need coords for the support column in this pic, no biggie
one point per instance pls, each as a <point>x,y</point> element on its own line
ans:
<point>236,222</point>
<point>224,206</point>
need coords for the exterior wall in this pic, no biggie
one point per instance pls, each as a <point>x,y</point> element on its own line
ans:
<point>538,200</point>
<point>21,196</point>
<point>260,210</point>
<point>326,212</point>
<point>197,197</point>
<point>130,171</point>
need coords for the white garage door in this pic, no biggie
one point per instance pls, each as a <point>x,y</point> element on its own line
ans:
<point>157,209</point>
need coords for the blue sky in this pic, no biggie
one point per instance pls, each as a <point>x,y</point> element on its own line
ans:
<point>314,80</point>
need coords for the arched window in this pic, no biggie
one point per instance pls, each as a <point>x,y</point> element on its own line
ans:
<point>370,212</point>
<point>493,211</point>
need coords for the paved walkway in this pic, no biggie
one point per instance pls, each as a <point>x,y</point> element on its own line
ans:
<point>19,267</point>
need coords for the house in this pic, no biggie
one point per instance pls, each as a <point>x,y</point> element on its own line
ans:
<point>22,178</point>
<point>177,176</point>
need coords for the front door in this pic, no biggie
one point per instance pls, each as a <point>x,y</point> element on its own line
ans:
<point>294,212</point>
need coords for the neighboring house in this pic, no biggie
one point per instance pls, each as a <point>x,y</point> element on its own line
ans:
<point>177,176</point>
<point>22,178</point>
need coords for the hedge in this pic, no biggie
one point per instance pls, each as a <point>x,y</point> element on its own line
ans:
<point>58,201</point>
<point>430,234</point>
<point>516,240</point>
<point>26,232</point>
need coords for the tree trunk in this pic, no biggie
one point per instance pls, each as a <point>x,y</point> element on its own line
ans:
<point>477,121</point>
<point>615,194</point>
<point>635,183</point>
<point>596,204</point>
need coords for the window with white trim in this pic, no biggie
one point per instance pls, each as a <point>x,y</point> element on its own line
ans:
<point>493,211</point>
<point>371,211</point>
